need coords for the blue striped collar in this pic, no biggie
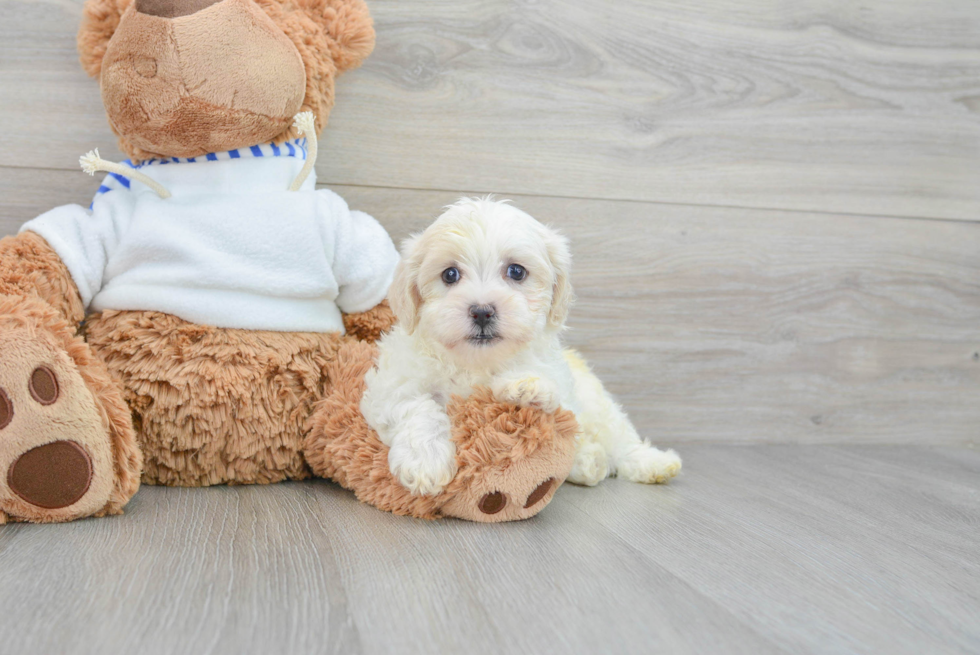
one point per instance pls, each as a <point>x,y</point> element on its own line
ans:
<point>295,148</point>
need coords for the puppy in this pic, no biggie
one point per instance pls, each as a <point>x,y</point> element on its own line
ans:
<point>481,298</point>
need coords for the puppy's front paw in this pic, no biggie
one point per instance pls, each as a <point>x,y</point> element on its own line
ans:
<point>649,465</point>
<point>591,466</point>
<point>424,466</point>
<point>528,392</point>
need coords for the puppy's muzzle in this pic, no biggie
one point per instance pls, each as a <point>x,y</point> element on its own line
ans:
<point>483,315</point>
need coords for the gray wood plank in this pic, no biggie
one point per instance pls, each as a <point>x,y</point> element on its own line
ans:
<point>304,568</point>
<point>819,549</point>
<point>719,324</point>
<point>555,585</point>
<point>754,549</point>
<point>824,105</point>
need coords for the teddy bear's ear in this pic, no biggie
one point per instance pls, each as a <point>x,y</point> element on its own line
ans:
<point>99,21</point>
<point>349,27</point>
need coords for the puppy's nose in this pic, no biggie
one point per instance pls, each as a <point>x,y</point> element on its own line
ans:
<point>482,314</point>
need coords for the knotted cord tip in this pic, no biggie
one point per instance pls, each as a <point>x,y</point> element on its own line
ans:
<point>90,161</point>
<point>305,122</point>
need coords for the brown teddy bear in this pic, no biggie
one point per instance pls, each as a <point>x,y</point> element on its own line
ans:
<point>185,327</point>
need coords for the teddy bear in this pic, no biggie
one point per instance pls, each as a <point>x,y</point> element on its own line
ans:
<point>184,329</point>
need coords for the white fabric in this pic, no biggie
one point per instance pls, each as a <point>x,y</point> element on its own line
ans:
<point>231,248</point>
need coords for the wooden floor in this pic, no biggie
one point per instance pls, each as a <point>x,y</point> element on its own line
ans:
<point>775,214</point>
<point>755,549</point>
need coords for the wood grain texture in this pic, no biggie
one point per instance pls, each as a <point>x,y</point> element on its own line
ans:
<point>736,325</point>
<point>824,105</point>
<point>763,549</point>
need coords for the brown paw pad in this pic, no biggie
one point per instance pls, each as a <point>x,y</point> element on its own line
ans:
<point>6,410</point>
<point>492,503</point>
<point>43,385</point>
<point>51,476</point>
<point>539,493</point>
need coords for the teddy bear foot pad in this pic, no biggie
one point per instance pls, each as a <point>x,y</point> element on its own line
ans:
<point>56,461</point>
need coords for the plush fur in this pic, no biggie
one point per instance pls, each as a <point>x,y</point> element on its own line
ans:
<point>500,449</point>
<point>213,405</point>
<point>370,325</point>
<point>29,267</point>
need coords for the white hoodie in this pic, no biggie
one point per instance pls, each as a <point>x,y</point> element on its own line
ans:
<point>231,247</point>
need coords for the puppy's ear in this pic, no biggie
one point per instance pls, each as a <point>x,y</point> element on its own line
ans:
<point>404,295</point>
<point>561,263</point>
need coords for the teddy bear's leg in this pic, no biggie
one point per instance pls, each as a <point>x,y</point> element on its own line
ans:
<point>511,460</point>
<point>67,448</point>
<point>214,405</point>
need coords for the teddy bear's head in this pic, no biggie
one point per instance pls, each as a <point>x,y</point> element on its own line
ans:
<point>182,78</point>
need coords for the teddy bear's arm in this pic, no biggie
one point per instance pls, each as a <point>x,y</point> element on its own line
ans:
<point>361,254</point>
<point>84,239</point>
<point>30,267</point>
<point>368,326</point>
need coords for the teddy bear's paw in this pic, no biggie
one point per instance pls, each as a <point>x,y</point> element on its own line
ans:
<point>424,465</point>
<point>528,392</point>
<point>56,456</point>
<point>646,464</point>
<point>591,465</point>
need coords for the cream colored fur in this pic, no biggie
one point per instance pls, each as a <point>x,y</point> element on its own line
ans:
<point>435,351</point>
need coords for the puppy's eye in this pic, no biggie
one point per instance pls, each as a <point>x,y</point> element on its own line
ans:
<point>450,275</point>
<point>516,272</point>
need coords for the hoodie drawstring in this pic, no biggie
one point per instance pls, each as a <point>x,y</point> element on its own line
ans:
<point>304,121</point>
<point>91,162</point>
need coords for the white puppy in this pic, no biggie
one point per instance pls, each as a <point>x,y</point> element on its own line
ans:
<point>481,298</point>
